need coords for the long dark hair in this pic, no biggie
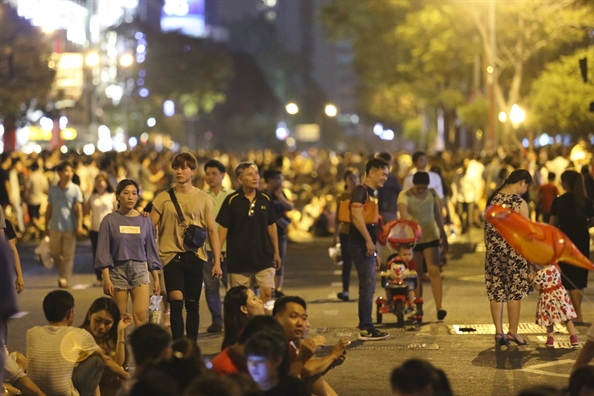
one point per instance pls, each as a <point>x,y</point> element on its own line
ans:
<point>573,182</point>
<point>104,304</point>
<point>234,319</point>
<point>105,177</point>
<point>515,177</point>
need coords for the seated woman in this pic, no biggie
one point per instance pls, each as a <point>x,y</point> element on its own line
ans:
<point>109,331</point>
<point>240,305</point>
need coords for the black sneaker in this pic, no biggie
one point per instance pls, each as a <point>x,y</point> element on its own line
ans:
<point>372,335</point>
<point>344,296</point>
<point>214,328</point>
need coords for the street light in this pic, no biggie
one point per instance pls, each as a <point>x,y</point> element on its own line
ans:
<point>331,110</point>
<point>502,117</point>
<point>516,115</point>
<point>126,60</point>
<point>292,108</point>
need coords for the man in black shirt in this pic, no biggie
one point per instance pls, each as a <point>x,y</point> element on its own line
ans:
<point>247,221</point>
<point>362,239</point>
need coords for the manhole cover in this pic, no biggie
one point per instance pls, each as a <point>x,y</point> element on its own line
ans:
<point>396,347</point>
<point>523,328</point>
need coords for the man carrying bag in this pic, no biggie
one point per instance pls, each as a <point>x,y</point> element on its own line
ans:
<point>183,216</point>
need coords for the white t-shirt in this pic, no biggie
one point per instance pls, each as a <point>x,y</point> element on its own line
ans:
<point>52,354</point>
<point>37,186</point>
<point>101,206</point>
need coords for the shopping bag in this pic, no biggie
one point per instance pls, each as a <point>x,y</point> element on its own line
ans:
<point>155,311</point>
<point>42,253</point>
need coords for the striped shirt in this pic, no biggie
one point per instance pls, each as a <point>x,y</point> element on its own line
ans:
<point>52,354</point>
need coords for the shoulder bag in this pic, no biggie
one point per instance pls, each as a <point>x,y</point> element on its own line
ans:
<point>194,236</point>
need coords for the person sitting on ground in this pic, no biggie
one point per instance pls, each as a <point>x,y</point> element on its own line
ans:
<point>150,343</point>
<point>61,359</point>
<point>268,363</point>
<point>291,313</point>
<point>232,359</point>
<point>185,364</point>
<point>240,305</point>
<point>16,380</point>
<point>418,377</point>
<point>109,332</point>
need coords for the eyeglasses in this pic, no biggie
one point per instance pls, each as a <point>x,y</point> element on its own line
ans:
<point>251,211</point>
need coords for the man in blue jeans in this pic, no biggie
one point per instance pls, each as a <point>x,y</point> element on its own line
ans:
<point>362,239</point>
<point>215,173</point>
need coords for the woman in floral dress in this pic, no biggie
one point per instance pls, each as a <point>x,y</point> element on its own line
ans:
<point>554,305</point>
<point>507,274</point>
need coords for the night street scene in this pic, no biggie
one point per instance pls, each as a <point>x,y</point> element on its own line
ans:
<point>297,197</point>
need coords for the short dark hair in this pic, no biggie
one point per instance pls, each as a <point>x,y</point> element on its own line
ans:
<point>375,163</point>
<point>552,176</point>
<point>271,174</point>
<point>57,304</point>
<point>242,166</point>
<point>63,164</point>
<point>280,306</point>
<point>257,324</point>
<point>386,156</point>
<point>148,343</point>
<point>416,374</point>
<point>186,159</point>
<point>421,178</point>
<point>582,377</point>
<point>404,246</point>
<point>213,163</point>
<point>418,154</point>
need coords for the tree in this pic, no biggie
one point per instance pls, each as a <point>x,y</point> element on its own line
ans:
<point>559,99</point>
<point>25,77</point>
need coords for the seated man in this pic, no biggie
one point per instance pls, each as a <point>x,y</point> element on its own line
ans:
<point>16,380</point>
<point>291,313</point>
<point>61,359</point>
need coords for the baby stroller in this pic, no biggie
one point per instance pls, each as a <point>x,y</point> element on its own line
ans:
<point>397,277</point>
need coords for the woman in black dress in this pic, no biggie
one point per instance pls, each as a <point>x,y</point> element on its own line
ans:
<point>573,213</point>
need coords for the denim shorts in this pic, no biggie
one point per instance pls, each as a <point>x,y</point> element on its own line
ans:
<point>129,275</point>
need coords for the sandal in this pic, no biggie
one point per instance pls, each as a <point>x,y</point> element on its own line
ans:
<point>501,340</point>
<point>514,339</point>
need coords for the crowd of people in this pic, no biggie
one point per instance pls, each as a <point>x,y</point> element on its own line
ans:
<point>165,224</point>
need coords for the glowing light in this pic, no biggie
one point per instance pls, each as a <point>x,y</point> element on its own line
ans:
<point>37,149</point>
<point>89,149</point>
<point>103,132</point>
<point>490,69</point>
<point>104,145</point>
<point>269,3</point>
<point>140,48</point>
<point>126,60</point>
<point>517,115</point>
<point>132,142</point>
<point>290,142</point>
<point>138,35</point>
<point>68,134</point>
<point>63,122</point>
<point>144,137</point>
<point>169,108</point>
<point>331,110</point>
<point>47,124</point>
<point>92,59</point>
<point>387,134</point>
<point>143,92</point>
<point>120,147</point>
<point>378,129</point>
<point>282,132</point>
<point>176,7</point>
<point>292,108</point>
<point>543,139</point>
<point>63,149</point>
<point>502,116</point>
<point>525,143</point>
<point>114,92</point>
<point>355,119</point>
<point>151,122</point>
<point>142,73</point>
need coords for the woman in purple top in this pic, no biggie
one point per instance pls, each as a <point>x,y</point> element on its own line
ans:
<point>127,252</point>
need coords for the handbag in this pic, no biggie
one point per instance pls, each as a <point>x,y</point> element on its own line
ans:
<point>194,236</point>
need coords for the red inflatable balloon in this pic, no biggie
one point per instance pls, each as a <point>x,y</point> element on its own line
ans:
<point>538,243</point>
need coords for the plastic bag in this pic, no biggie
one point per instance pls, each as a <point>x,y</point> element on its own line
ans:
<point>335,254</point>
<point>155,311</point>
<point>42,253</point>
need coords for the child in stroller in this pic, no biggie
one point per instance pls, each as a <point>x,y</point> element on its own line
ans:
<point>400,277</point>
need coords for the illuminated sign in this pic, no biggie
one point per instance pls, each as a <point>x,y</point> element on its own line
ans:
<point>186,16</point>
<point>69,75</point>
<point>55,15</point>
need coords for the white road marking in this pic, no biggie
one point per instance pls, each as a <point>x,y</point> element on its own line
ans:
<point>337,272</point>
<point>535,369</point>
<point>19,315</point>
<point>331,312</point>
<point>336,284</point>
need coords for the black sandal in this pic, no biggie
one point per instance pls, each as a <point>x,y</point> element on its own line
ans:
<point>501,340</point>
<point>514,339</point>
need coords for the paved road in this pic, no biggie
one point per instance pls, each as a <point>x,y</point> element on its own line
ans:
<point>470,359</point>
